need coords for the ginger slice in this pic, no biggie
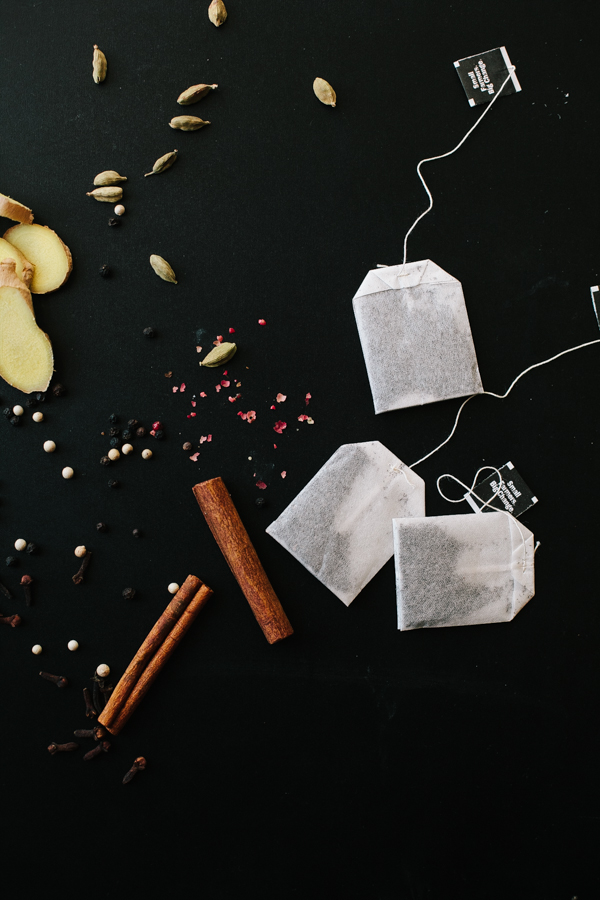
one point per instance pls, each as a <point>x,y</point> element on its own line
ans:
<point>43,248</point>
<point>24,267</point>
<point>14,210</point>
<point>26,359</point>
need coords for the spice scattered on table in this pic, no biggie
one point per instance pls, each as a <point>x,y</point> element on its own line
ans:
<point>36,649</point>
<point>164,162</point>
<point>67,472</point>
<point>217,13</point>
<point>59,680</point>
<point>146,454</point>
<point>139,764</point>
<point>129,593</point>
<point>162,268</point>
<point>99,65</point>
<point>26,582</point>
<point>73,645</point>
<point>324,92</point>
<point>173,587</point>
<point>20,544</point>
<point>80,551</point>
<point>103,671</point>
<point>102,747</point>
<point>62,748</point>
<point>50,447</point>
<point>38,417</point>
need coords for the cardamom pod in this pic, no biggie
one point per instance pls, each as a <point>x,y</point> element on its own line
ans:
<point>195,92</point>
<point>162,268</point>
<point>165,162</point>
<point>108,177</point>
<point>220,355</point>
<point>106,194</point>
<point>217,12</point>
<point>99,65</point>
<point>188,123</point>
<point>324,92</point>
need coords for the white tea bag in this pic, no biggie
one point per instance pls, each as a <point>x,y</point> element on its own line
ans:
<point>462,570</point>
<point>415,336</point>
<point>340,525</point>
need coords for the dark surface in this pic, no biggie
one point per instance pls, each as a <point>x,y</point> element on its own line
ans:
<point>349,760</point>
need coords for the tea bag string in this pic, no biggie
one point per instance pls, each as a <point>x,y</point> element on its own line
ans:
<point>450,152</point>
<point>501,396</point>
<point>470,490</point>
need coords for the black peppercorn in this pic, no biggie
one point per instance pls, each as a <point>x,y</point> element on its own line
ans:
<point>31,402</point>
<point>115,442</point>
<point>31,547</point>
<point>16,420</point>
<point>11,561</point>
<point>159,435</point>
<point>59,390</point>
<point>133,423</point>
<point>105,461</point>
<point>104,271</point>
<point>114,431</point>
<point>114,221</point>
<point>7,412</point>
<point>113,483</point>
<point>129,593</point>
<point>113,419</point>
<point>136,532</point>
<point>101,526</point>
<point>187,446</point>
<point>149,332</point>
<point>260,502</point>
<point>127,434</point>
<point>41,397</point>
<point>140,432</point>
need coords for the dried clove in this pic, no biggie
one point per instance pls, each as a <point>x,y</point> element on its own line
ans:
<point>97,733</point>
<point>90,709</point>
<point>100,748</point>
<point>26,582</point>
<point>13,621</point>
<point>78,577</point>
<point>59,680</point>
<point>62,748</point>
<point>138,765</point>
<point>5,591</point>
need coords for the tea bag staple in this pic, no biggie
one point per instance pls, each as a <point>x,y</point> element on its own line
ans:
<point>415,336</point>
<point>467,569</point>
<point>340,525</point>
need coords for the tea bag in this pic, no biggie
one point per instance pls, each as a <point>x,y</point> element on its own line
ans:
<point>467,569</point>
<point>340,525</point>
<point>415,336</point>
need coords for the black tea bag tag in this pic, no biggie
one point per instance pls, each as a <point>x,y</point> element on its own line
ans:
<point>514,496</point>
<point>483,75</point>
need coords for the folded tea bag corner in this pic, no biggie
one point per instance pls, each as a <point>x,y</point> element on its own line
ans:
<point>467,569</point>
<point>340,525</point>
<point>415,336</point>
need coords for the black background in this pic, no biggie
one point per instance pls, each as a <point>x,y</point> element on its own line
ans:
<point>350,760</point>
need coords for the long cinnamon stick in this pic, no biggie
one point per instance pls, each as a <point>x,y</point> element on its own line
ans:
<point>160,657</point>
<point>148,649</point>
<point>236,546</point>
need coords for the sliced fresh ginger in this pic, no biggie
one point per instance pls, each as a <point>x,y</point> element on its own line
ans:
<point>26,360</point>
<point>43,248</point>
<point>24,267</point>
<point>14,210</point>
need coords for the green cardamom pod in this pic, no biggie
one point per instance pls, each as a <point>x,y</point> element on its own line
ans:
<point>99,65</point>
<point>165,162</point>
<point>324,92</point>
<point>195,92</point>
<point>221,354</point>
<point>217,12</point>
<point>108,177</point>
<point>106,194</point>
<point>162,268</point>
<point>188,123</point>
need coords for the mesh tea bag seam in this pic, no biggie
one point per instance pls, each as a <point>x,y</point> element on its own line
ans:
<point>340,524</point>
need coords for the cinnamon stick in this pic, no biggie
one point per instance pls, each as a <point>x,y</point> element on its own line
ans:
<point>148,649</point>
<point>231,536</point>
<point>159,659</point>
